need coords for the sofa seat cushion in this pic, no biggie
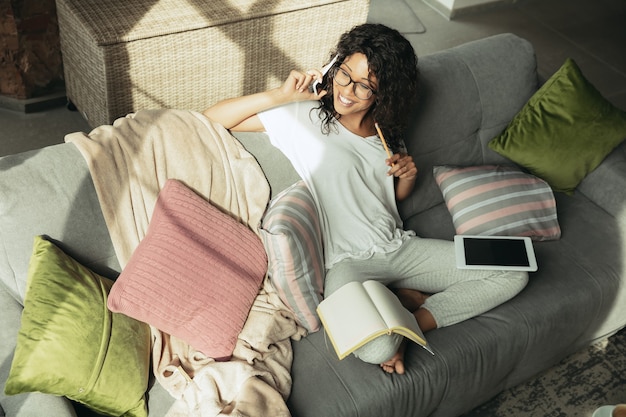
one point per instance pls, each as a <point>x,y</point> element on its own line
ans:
<point>564,131</point>
<point>476,359</point>
<point>70,344</point>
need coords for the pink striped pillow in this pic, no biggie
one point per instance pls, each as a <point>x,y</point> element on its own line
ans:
<point>293,241</point>
<point>498,200</point>
<point>194,275</point>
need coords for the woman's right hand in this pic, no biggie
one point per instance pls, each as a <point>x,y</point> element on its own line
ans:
<point>296,86</point>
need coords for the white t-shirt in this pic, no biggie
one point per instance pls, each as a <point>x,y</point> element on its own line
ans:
<point>347,176</point>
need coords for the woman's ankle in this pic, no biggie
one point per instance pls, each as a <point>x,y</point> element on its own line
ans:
<point>425,320</point>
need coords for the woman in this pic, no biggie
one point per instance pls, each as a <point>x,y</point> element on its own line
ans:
<point>331,138</point>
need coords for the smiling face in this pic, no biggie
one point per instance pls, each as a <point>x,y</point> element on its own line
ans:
<point>346,103</point>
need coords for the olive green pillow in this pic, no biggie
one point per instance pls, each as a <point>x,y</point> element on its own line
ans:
<point>564,131</point>
<point>69,343</point>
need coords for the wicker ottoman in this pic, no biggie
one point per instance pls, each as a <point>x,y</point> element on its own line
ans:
<point>121,56</point>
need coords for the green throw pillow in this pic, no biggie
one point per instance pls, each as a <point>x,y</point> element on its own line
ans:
<point>70,344</point>
<point>564,131</point>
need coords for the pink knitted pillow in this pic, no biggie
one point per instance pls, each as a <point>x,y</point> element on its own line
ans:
<point>194,275</point>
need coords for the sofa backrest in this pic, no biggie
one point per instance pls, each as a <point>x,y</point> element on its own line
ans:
<point>49,192</point>
<point>468,95</point>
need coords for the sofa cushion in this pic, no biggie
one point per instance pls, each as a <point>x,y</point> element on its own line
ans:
<point>293,241</point>
<point>194,275</point>
<point>568,121</point>
<point>498,200</point>
<point>69,344</point>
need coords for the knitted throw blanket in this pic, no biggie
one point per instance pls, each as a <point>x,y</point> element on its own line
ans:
<point>130,162</point>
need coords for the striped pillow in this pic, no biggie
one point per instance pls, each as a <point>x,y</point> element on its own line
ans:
<point>498,200</point>
<point>293,241</point>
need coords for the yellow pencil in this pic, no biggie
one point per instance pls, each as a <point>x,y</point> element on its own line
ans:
<point>382,139</point>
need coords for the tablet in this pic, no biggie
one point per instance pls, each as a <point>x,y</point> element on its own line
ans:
<point>513,253</point>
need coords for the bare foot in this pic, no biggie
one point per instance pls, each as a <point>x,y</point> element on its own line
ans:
<point>411,299</point>
<point>396,363</point>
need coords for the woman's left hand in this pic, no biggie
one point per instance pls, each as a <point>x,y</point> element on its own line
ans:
<point>402,166</point>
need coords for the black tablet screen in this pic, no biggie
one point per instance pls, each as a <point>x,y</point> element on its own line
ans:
<point>504,252</point>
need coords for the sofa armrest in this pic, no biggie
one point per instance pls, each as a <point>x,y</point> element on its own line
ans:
<point>29,404</point>
<point>49,191</point>
<point>606,185</point>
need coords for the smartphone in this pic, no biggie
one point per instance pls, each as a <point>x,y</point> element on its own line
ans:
<point>317,84</point>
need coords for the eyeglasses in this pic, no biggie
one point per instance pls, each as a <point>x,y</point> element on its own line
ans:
<point>361,91</point>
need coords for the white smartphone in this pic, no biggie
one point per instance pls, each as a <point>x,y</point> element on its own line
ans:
<point>512,253</point>
<point>317,84</point>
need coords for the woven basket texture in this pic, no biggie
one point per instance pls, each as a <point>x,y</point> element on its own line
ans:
<point>120,57</point>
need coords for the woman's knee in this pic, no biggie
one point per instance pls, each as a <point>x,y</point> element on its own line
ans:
<point>339,275</point>
<point>520,280</point>
<point>512,284</point>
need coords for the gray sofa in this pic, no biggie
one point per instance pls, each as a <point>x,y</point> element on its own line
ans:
<point>469,95</point>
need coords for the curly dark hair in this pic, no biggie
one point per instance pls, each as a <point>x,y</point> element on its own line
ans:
<point>393,61</point>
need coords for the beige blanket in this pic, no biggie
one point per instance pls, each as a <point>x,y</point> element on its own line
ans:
<point>129,163</point>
